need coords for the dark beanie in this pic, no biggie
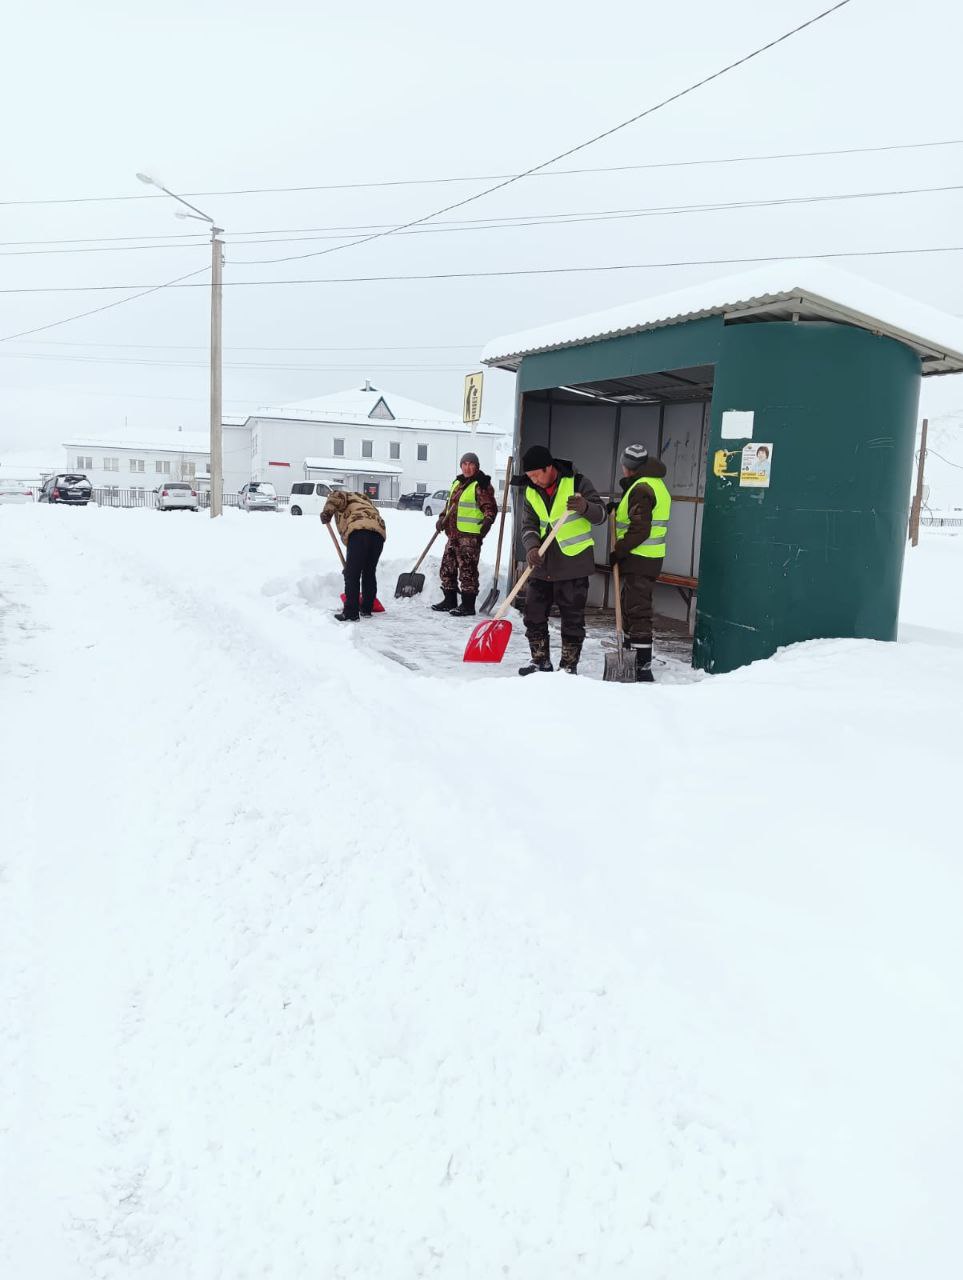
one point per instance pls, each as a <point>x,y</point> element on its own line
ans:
<point>634,457</point>
<point>469,457</point>
<point>537,457</point>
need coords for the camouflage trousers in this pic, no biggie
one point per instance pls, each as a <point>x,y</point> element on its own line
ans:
<point>459,564</point>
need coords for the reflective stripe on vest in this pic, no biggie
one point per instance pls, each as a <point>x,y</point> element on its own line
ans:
<point>470,515</point>
<point>575,534</point>
<point>654,545</point>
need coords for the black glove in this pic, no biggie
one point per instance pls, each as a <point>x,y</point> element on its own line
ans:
<point>533,558</point>
<point>326,517</point>
<point>440,523</point>
<point>610,507</point>
<point>617,556</point>
<point>578,504</point>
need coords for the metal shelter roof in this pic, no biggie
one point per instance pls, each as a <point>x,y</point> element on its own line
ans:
<point>789,290</point>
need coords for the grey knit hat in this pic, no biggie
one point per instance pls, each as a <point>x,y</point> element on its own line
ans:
<point>634,457</point>
<point>470,457</point>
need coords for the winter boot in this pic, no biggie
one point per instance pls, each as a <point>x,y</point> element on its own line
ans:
<point>643,664</point>
<point>346,617</point>
<point>540,659</point>
<point>448,603</point>
<point>571,652</point>
<point>467,607</point>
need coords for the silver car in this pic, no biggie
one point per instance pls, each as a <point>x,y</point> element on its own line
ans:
<point>176,495</point>
<point>15,491</point>
<point>258,495</point>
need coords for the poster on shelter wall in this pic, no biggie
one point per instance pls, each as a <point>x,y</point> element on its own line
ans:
<point>755,467</point>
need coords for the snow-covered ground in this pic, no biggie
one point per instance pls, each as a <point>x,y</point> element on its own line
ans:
<point>323,954</point>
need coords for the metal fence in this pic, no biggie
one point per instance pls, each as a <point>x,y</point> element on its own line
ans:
<point>148,498</point>
<point>942,522</point>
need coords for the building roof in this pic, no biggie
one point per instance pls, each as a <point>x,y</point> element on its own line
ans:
<point>176,442</point>
<point>361,406</point>
<point>779,291</point>
<point>353,466</point>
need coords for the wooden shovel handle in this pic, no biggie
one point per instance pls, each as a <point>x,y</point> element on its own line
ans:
<point>553,534</point>
<point>426,550</point>
<point>501,523</point>
<point>618,590</point>
<point>337,544</point>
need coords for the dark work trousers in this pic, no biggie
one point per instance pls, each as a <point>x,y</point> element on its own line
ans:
<point>637,587</point>
<point>569,595</point>
<point>360,565</point>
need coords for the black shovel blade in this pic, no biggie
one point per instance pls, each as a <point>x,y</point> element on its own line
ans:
<point>620,666</point>
<point>488,604</point>
<point>410,584</point>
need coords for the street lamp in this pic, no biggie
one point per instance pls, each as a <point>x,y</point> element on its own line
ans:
<point>217,263</point>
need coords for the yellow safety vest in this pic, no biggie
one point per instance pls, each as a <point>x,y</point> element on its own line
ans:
<point>654,545</point>
<point>470,515</point>
<point>575,534</point>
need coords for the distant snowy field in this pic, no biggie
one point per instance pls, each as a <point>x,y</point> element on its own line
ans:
<point>317,965</point>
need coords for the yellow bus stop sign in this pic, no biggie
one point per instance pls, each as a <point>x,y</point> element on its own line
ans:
<point>473,398</point>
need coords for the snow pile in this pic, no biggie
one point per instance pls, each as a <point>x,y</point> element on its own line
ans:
<point>320,964</point>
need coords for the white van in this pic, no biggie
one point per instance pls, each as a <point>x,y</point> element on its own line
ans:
<point>308,498</point>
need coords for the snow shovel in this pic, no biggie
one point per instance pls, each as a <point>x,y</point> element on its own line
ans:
<point>489,602</point>
<point>620,663</point>
<point>489,640</point>
<point>412,584</point>
<point>377,607</point>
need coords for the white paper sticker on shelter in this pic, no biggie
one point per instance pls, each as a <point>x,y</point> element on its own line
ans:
<point>756,463</point>
<point>737,424</point>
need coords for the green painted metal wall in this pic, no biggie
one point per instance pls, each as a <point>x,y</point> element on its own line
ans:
<point>678,346</point>
<point>820,552</point>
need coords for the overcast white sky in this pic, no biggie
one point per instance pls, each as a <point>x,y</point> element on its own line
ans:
<point>219,96</point>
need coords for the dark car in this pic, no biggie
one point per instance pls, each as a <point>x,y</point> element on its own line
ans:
<point>411,501</point>
<point>70,487</point>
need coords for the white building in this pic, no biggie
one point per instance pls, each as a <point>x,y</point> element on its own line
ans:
<point>368,440</point>
<point>134,460</point>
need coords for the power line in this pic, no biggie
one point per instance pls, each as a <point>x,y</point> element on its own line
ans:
<point>946,460</point>
<point>494,177</point>
<point>53,324</point>
<point>169,346</point>
<point>581,146</point>
<point>285,234</point>
<point>482,275</point>
<point>370,366</point>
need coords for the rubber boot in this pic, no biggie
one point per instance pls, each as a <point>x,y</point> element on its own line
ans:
<point>571,652</point>
<point>643,664</point>
<point>467,607</point>
<point>540,660</point>
<point>448,603</point>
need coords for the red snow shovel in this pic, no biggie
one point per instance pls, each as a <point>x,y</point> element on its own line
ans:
<point>489,640</point>
<point>377,607</point>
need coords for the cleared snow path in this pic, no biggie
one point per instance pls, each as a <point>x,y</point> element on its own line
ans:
<point>315,965</point>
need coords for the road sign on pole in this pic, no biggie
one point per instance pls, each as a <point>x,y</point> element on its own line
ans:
<point>473,398</point>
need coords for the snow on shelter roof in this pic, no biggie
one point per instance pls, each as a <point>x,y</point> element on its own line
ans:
<point>779,291</point>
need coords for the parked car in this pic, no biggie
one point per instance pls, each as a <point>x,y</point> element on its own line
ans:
<point>435,503</point>
<point>70,488</point>
<point>308,498</point>
<point>411,501</point>
<point>15,491</point>
<point>176,495</point>
<point>258,495</point>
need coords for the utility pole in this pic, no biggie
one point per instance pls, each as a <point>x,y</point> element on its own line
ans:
<point>217,458</point>
<point>917,507</point>
<point>217,263</point>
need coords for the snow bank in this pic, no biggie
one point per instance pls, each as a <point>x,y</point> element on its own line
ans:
<point>317,964</point>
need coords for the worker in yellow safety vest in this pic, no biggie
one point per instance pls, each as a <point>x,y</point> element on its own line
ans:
<point>552,487</point>
<point>468,515</point>
<point>641,526</point>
